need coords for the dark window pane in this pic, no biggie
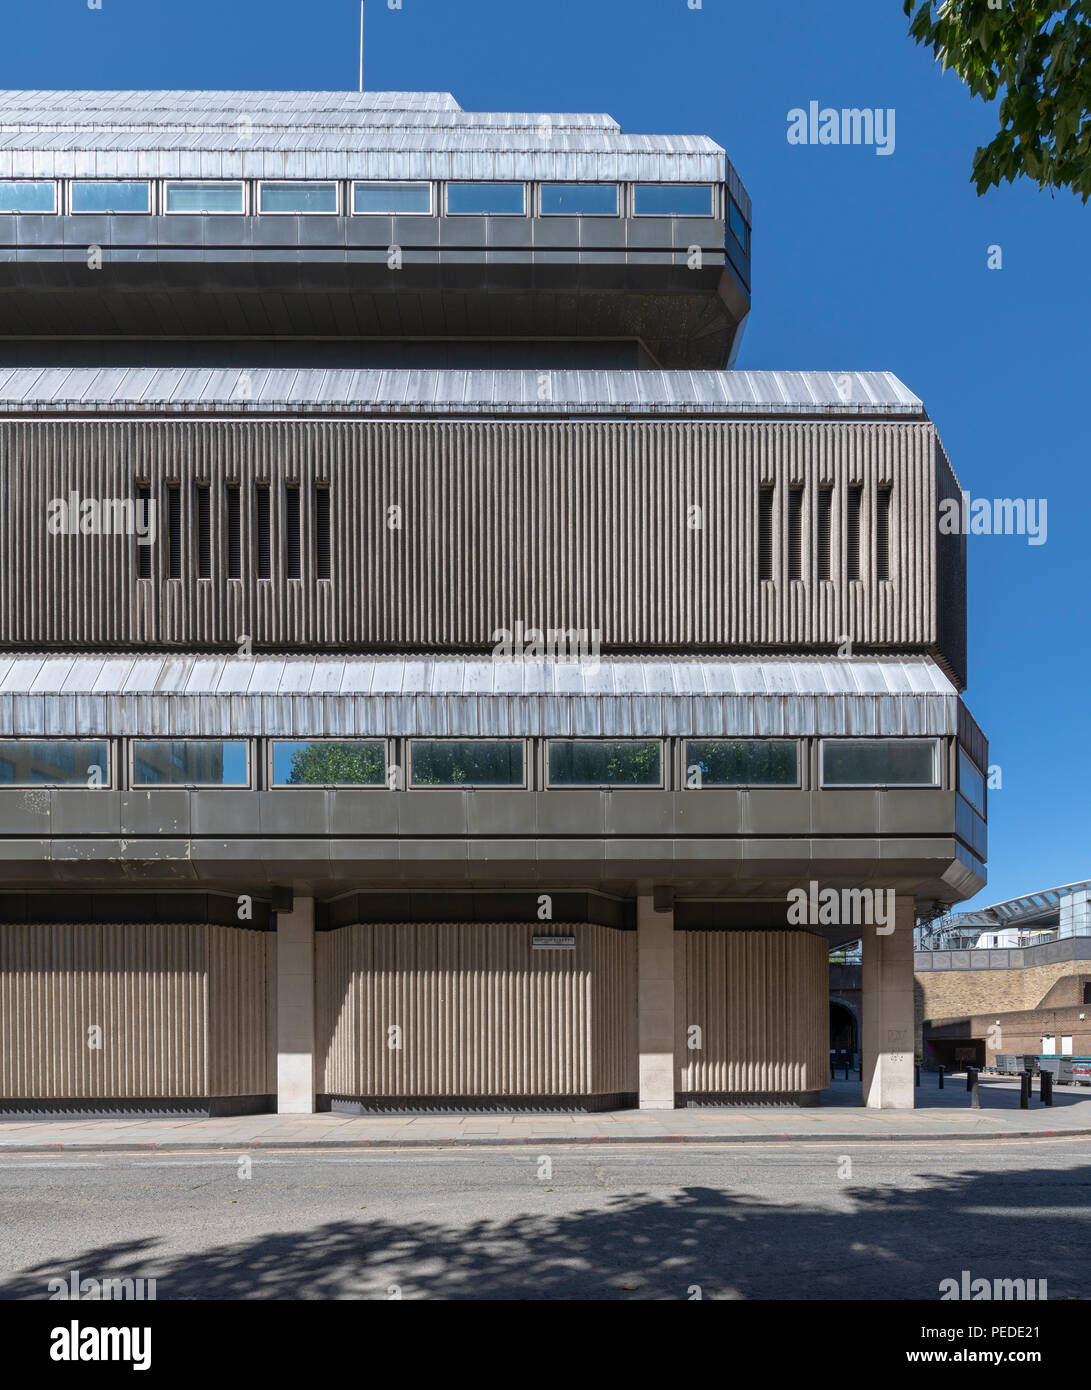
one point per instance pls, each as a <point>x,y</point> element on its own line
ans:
<point>264,543</point>
<point>739,230</point>
<point>971,781</point>
<point>741,763</point>
<point>234,532</point>
<point>204,531</point>
<point>335,762</point>
<point>795,533</point>
<point>484,198</point>
<point>621,763</point>
<point>322,532</point>
<point>766,498</point>
<point>673,200</point>
<point>879,762</point>
<point>174,532</point>
<point>197,762</point>
<point>852,533</point>
<point>452,763</point>
<point>143,551</point>
<point>825,521</point>
<point>111,197</point>
<point>392,198</point>
<point>42,762</point>
<point>579,199</point>
<point>291,532</point>
<point>882,534</point>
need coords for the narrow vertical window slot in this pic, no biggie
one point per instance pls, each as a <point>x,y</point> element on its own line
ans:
<point>795,533</point>
<point>204,531</point>
<point>882,534</point>
<point>292,568</point>
<point>262,522</point>
<point>852,532</point>
<point>825,530</point>
<point>234,531</point>
<point>143,552</point>
<point>322,532</point>
<point>766,497</point>
<point>174,531</point>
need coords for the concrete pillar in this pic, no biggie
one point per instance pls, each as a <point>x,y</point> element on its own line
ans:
<point>655,1003</point>
<point>295,1009</point>
<point>887,1007</point>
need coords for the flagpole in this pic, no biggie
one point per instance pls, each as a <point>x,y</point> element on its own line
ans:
<point>361,45</point>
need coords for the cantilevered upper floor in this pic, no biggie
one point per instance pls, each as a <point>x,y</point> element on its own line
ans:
<point>373,229</point>
<point>791,512</point>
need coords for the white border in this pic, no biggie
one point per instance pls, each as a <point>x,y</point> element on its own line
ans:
<point>241,184</point>
<point>262,184</point>
<point>134,785</point>
<point>935,784</point>
<point>392,183</point>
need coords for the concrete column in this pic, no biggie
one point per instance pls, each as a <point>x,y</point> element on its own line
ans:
<point>887,1007</point>
<point>295,1009</point>
<point>655,1003</point>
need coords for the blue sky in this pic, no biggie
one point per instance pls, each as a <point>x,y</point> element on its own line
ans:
<point>860,262</point>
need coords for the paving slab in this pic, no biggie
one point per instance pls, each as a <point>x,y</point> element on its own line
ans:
<point>841,1117</point>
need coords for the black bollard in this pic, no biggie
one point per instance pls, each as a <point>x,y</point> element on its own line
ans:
<point>969,1078</point>
<point>975,1090</point>
<point>1045,1090</point>
<point>916,1073</point>
<point>941,1078</point>
<point>1024,1090</point>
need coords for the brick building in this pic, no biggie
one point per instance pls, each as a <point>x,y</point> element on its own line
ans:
<point>984,998</point>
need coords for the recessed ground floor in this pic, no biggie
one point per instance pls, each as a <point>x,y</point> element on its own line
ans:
<point>186,1005</point>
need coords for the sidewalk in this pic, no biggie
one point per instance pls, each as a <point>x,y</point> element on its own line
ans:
<point>942,1115</point>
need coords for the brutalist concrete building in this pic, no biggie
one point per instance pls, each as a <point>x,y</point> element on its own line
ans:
<point>431,674</point>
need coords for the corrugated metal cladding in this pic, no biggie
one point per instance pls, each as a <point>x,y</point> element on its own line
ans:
<point>50,696</point>
<point>575,525</point>
<point>479,1011</point>
<point>153,106</point>
<point>761,1001</point>
<point>181,1009</point>
<point>333,135</point>
<point>331,392</point>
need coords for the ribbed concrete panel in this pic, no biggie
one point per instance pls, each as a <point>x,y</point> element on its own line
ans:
<point>761,1002</point>
<point>237,1022</point>
<point>180,1009</point>
<point>580,525</point>
<point>480,1012</point>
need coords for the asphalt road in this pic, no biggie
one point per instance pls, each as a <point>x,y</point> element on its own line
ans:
<point>612,1222</point>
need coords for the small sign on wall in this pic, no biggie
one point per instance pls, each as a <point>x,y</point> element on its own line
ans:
<point>554,943</point>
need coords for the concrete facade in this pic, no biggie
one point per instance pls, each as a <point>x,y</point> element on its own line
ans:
<point>366,478</point>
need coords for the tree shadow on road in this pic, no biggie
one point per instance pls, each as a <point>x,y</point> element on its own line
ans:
<point>875,1242</point>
